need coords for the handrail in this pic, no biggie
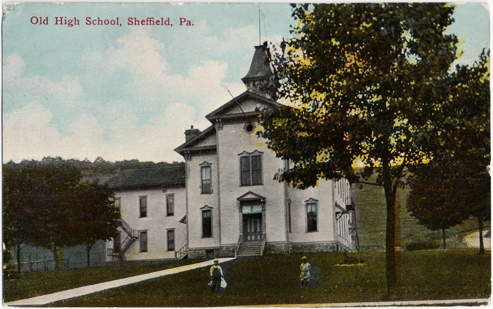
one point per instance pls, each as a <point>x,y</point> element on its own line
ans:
<point>182,251</point>
<point>126,227</point>
<point>262,245</point>
<point>126,243</point>
<point>238,243</point>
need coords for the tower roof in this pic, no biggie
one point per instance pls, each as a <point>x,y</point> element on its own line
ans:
<point>260,67</point>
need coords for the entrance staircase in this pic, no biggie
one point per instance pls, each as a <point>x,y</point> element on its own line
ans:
<point>250,248</point>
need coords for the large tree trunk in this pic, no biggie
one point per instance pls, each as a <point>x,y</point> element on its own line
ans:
<point>481,243</point>
<point>390,240</point>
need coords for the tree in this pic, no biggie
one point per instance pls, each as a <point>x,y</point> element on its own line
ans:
<point>47,205</point>
<point>367,81</point>
<point>468,137</point>
<point>95,216</point>
<point>456,182</point>
<point>16,220</point>
<point>434,200</point>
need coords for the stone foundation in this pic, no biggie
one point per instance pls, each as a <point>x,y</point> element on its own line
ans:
<point>313,247</point>
<point>270,248</point>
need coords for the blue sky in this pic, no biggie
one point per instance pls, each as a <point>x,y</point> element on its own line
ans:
<point>129,92</point>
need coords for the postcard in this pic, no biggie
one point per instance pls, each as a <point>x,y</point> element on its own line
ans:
<point>219,154</point>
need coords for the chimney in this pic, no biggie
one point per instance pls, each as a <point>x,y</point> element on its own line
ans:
<point>191,133</point>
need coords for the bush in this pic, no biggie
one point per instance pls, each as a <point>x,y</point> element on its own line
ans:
<point>423,245</point>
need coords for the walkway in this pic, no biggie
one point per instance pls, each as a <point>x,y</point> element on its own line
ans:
<point>95,288</point>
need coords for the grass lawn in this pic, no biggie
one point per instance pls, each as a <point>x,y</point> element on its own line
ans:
<point>40,283</point>
<point>274,279</point>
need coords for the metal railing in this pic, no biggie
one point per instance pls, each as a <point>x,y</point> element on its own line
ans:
<point>46,265</point>
<point>182,252</point>
<point>238,244</point>
<point>262,245</point>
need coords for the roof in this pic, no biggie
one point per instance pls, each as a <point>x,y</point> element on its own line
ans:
<point>155,177</point>
<point>260,66</point>
<point>189,145</point>
<point>219,112</point>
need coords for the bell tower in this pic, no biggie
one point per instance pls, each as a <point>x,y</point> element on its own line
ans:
<point>261,78</point>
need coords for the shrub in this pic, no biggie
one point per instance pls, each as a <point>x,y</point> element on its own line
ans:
<point>423,245</point>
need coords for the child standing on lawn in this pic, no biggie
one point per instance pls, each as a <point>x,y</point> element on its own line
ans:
<point>305,272</point>
<point>217,284</point>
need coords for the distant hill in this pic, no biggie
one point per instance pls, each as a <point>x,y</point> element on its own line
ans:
<point>371,219</point>
<point>98,167</point>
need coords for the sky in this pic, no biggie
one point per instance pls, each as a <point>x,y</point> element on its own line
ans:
<point>129,92</point>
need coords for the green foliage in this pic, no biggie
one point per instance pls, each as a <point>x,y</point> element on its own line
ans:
<point>47,205</point>
<point>365,78</point>
<point>423,245</point>
<point>369,84</point>
<point>98,167</point>
<point>434,199</point>
<point>456,183</point>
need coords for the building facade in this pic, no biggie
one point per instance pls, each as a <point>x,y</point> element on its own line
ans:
<point>234,204</point>
<point>152,210</point>
<point>224,201</point>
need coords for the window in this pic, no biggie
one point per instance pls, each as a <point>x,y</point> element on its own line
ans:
<point>206,223</point>
<point>205,172</point>
<point>171,240</point>
<point>251,169</point>
<point>143,206</point>
<point>312,216</point>
<point>143,241</point>
<point>170,204</point>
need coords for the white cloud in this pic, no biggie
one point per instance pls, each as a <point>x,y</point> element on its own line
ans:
<point>19,88</point>
<point>27,133</point>
<point>147,122</point>
<point>13,66</point>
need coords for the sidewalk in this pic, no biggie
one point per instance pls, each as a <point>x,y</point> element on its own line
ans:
<point>85,290</point>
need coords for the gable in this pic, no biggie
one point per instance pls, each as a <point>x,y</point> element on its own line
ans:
<point>204,141</point>
<point>209,140</point>
<point>246,104</point>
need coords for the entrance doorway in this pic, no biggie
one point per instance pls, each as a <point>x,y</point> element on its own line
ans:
<point>252,227</point>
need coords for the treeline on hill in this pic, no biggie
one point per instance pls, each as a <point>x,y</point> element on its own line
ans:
<point>52,203</point>
<point>98,166</point>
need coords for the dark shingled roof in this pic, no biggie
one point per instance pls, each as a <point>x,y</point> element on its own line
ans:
<point>155,177</point>
<point>260,66</point>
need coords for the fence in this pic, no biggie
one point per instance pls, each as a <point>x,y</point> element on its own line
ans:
<point>49,265</point>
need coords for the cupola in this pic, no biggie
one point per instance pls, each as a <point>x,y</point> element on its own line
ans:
<point>260,77</point>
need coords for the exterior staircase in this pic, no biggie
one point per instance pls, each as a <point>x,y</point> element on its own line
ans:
<point>250,248</point>
<point>131,236</point>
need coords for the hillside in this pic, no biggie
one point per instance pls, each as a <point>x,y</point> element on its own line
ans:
<point>371,218</point>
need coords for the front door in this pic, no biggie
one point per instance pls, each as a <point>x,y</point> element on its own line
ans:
<point>252,227</point>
